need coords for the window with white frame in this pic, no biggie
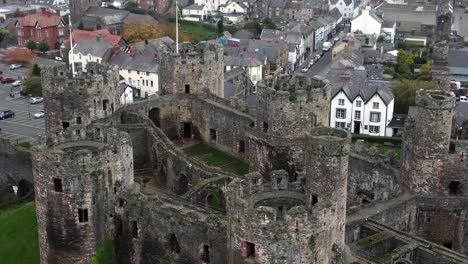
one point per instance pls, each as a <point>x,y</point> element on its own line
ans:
<point>358,103</point>
<point>375,105</point>
<point>357,114</point>
<point>341,113</point>
<point>341,125</point>
<point>374,129</point>
<point>340,101</point>
<point>374,117</point>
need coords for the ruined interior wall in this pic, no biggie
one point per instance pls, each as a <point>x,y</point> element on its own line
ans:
<point>371,181</point>
<point>146,224</point>
<point>230,126</point>
<point>15,165</point>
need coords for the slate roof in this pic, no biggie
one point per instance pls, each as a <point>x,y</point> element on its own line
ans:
<point>195,7</point>
<point>43,19</point>
<point>243,61</point>
<point>388,24</point>
<point>139,62</point>
<point>458,58</point>
<point>409,13</point>
<point>267,48</point>
<point>314,4</point>
<point>359,85</point>
<point>94,48</point>
<point>397,122</point>
<point>152,46</point>
<point>243,34</point>
<point>109,16</point>
<point>335,13</point>
<point>277,4</point>
<point>374,71</point>
<point>270,34</point>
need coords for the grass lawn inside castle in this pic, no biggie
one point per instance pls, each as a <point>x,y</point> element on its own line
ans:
<point>216,158</point>
<point>18,236</point>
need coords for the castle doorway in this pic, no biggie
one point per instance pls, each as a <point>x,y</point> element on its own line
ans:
<point>182,184</point>
<point>188,130</point>
<point>455,188</point>
<point>155,116</point>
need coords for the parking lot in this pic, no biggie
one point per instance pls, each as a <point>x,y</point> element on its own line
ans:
<point>23,126</point>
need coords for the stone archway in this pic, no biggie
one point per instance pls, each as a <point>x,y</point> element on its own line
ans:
<point>25,189</point>
<point>155,116</point>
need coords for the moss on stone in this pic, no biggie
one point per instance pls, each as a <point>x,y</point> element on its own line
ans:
<point>365,242</point>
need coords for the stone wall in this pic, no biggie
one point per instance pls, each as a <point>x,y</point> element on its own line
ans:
<point>76,178</point>
<point>163,229</point>
<point>16,168</point>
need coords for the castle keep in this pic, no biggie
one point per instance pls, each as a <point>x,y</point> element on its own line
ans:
<point>106,172</point>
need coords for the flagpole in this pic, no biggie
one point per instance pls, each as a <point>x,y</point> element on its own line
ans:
<point>177,27</point>
<point>70,58</point>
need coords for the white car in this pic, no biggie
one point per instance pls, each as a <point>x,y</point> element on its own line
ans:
<point>58,58</point>
<point>16,83</point>
<point>39,114</point>
<point>15,66</point>
<point>304,69</point>
<point>36,100</point>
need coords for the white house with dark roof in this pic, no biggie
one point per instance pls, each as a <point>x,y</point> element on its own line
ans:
<point>89,51</point>
<point>252,66</point>
<point>346,8</point>
<point>195,12</point>
<point>360,105</point>
<point>367,23</point>
<point>138,70</point>
<point>212,6</point>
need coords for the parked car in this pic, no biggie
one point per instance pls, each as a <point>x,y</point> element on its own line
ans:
<point>39,114</point>
<point>463,99</point>
<point>58,58</point>
<point>7,80</point>
<point>6,114</point>
<point>16,83</point>
<point>15,66</point>
<point>1,72</point>
<point>304,69</point>
<point>36,100</point>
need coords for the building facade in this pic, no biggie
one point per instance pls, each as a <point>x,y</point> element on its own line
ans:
<point>43,26</point>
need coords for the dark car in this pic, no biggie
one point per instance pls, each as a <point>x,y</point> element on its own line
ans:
<point>7,80</point>
<point>1,72</point>
<point>6,114</point>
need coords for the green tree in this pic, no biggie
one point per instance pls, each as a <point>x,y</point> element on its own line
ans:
<point>219,26</point>
<point>425,72</point>
<point>254,25</point>
<point>33,86</point>
<point>268,23</point>
<point>36,70</point>
<point>31,44</point>
<point>405,93</point>
<point>81,26</point>
<point>18,13</point>
<point>43,46</point>
<point>405,62</point>
<point>4,34</point>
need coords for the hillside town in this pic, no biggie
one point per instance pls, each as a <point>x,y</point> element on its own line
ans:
<point>221,131</point>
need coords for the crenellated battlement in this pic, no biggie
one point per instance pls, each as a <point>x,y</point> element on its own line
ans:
<point>435,99</point>
<point>329,142</point>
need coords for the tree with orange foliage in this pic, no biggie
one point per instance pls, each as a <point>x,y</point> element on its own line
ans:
<point>21,55</point>
<point>138,30</point>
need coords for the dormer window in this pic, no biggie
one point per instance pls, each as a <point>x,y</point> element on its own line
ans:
<point>38,26</point>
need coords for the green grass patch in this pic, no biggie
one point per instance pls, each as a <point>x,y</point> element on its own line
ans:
<point>365,242</point>
<point>377,139</point>
<point>18,237</point>
<point>384,149</point>
<point>105,254</point>
<point>25,145</point>
<point>216,158</point>
<point>414,42</point>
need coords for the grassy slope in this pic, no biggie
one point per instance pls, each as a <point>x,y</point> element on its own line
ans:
<point>217,158</point>
<point>18,235</point>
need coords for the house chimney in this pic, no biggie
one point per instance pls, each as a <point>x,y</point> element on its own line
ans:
<point>116,49</point>
<point>57,11</point>
<point>132,51</point>
<point>344,77</point>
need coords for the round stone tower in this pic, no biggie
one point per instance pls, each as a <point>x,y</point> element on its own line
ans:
<point>326,159</point>
<point>426,141</point>
<point>274,220</point>
<point>76,176</point>
<point>268,221</point>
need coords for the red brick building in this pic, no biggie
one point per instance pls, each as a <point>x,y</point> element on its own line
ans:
<point>44,25</point>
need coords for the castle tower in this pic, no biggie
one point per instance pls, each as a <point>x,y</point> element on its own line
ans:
<point>272,219</point>
<point>440,72</point>
<point>326,159</point>
<point>196,69</point>
<point>77,101</point>
<point>268,221</point>
<point>427,141</point>
<point>76,178</point>
<point>290,106</point>
<point>79,7</point>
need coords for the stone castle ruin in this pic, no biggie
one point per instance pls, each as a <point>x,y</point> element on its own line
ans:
<point>311,195</point>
